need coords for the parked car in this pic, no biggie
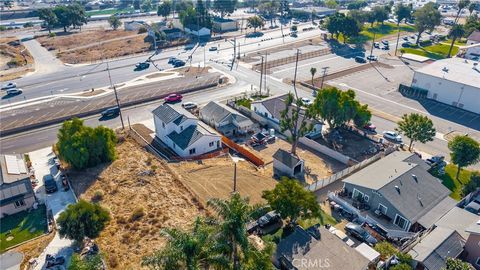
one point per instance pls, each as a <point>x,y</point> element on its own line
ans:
<point>14,91</point>
<point>435,160</point>
<point>9,85</point>
<point>360,59</point>
<point>114,111</point>
<point>370,127</point>
<point>392,135</point>
<point>406,44</point>
<point>405,38</point>
<point>306,101</point>
<point>52,261</point>
<point>173,98</point>
<point>189,105</point>
<point>372,58</point>
<point>178,63</point>
<point>376,45</point>
<point>212,49</point>
<point>49,183</point>
<point>171,60</point>
<point>386,47</point>
<point>268,219</point>
<point>360,233</point>
<point>385,42</point>
<point>142,65</point>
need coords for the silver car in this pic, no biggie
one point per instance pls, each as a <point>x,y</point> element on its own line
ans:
<point>392,135</point>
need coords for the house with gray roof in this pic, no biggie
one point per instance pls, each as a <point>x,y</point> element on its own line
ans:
<point>16,192</point>
<point>431,252</point>
<point>400,193</point>
<point>316,248</point>
<point>225,119</point>
<point>472,246</point>
<point>182,132</point>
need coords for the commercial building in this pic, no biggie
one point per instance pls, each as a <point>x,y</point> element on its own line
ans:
<point>453,81</point>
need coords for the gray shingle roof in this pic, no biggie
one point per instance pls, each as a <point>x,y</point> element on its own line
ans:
<point>286,158</point>
<point>301,245</point>
<point>172,113</point>
<point>219,112</point>
<point>475,36</point>
<point>437,212</point>
<point>190,135</point>
<point>458,219</point>
<point>10,192</point>
<point>439,244</point>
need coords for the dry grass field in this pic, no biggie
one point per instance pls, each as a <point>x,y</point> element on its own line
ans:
<point>15,60</point>
<point>143,196</point>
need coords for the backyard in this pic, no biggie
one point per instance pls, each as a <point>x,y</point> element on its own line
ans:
<point>449,180</point>
<point>22,226</point>
<point>436,51</point>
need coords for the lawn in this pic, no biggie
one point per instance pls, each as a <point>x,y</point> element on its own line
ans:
<point>245,102</point>
<point>437,51</point>
<point>379,30</point>
<point>109,11</point>
<point>462,42</point>
<point>448,180</point>
<point>22,227</point>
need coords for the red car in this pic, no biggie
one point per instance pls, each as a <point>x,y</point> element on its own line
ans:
<point>173,98</point>
<point>370,127</point>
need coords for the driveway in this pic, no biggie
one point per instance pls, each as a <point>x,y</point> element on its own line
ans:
<point>43,164</point>
<point>11,260</point>
<point>45,62</point>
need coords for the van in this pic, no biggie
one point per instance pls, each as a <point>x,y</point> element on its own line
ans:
<point>111,112</point>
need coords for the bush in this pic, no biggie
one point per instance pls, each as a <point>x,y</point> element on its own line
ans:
<point>52,34</point>
<point>97,196</point>
<point>3,28</point>
<point>142,30</point>
<point>28,24</point>
<point>137,214</point>
<point>13,63</point>
<point>425,43</point>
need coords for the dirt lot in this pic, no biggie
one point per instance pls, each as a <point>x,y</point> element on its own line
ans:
<point>15,60</point>
<point>317,165</point>
<point>84,47</point>
<point>213,178</point>
<point>127,186</point>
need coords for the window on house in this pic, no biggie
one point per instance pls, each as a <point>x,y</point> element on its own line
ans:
<point>478,261</point>
<point>400,222</point>
<point>163,124</point>
<point>181,128</point>
<point>19,203</point>
<point>382,208</point>
<point>192,151</point>
<point>210,144</point>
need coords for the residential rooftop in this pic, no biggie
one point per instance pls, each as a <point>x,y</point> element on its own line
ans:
<point>458,219</point>
<point>13,168</point>
<point>454,69</point>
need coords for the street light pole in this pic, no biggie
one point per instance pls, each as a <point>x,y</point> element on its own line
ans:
<point>261,76</point>
<point>323,76</point>
<point>398,38</point>
<point>116,96</point>
<point>371,49</point>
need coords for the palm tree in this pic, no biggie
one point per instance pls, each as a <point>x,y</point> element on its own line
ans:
<point>232,238</point>
<point>313,71</point>
<point>185,249</point>
<point>461,5</point>
<point>457,31</point>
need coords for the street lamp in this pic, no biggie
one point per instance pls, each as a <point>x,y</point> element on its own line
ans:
<point>235,161</point>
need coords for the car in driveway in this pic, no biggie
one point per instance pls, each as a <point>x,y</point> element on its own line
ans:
<point>49,183</point>
<point>360,233</point>
<point>172,98</point>
<point>9,85</point>
<point>393,136</point>
<point>360,59</point>
<point>372,58</point>
<point>189,105</point>
<point>114,111</point>
<point>433,161</point>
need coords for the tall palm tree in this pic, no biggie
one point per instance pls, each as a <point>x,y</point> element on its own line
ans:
<point>232,238</point>
<point>185,249</point>
<point>313,71</point>
<point>461,5</point>
<point>457,31</point>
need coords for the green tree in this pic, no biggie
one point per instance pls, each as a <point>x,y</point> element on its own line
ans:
<point>88,263</point>
<point>380,13</point>
<point>465,151</point>
<point>472,24</point>
<point>457,264</point>
<point>49,17</point>
<point>312,72</point>
<point>294,120</point>
<point>136,4</point>
<point>472,185</point>
<point>385,249</point>
<point>164,9</point>
<point>259,259</point>
<point>82,219</point>
<point>349,28</point>
<point>269,9</point>
<point>292,201</point>
<point>63,16</point>
<point>114,22</point>
<point>417,128</point>
<point>255,22</point>
<point>426,18</point>
<point>77,15</point>
<point>224,7</point>
<point>331,4</point>
<point>462,4</point>
<point>402,12</point>
<point>363,116</point>
<point>184,250</point>
<point>146,5</point>
<point>233,214</point>
<point>357,5</point>
<point>334,24</point>
<point>401,266</point>
<point>82,146</point>
<point>359,16</point>
<point>457,31</point>
<point>188,17</point>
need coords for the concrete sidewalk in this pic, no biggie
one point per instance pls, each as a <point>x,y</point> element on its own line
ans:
<point>43,164</point>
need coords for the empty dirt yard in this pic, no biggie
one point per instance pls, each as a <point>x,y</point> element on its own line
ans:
<point>136,183</point>
<point>213,178</point>
<point>15,60</point>
<point>93,45</point>
<point>317,166</point>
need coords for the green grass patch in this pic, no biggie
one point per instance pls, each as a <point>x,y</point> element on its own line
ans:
<point>109,11</point>
<point>245,102</point>
<point>449,180</point>
<point>462,42</point>
<point>437,51</point>
<point>22,226</point>
<point>378,29</point>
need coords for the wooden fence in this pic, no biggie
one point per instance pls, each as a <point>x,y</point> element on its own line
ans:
<point>244,152</point>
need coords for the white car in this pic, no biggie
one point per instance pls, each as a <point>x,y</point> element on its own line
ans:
<point>14,91</point>
<point>9,85</point>
<point>372,58</point>
<point>392,135</point>
<point>189,105</point>
<point>307,101</point>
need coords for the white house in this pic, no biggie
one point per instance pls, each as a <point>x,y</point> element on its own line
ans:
<point>225,119</point>
<point>453,81</point>
<point>223,24</point>
<point>472,48</point>
<point>133,25</point>
<point>197,31</point>
<point>183,132</point>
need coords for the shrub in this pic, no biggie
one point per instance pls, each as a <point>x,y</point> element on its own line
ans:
<point>3,28</point>
<point>137,214</point>
<point>13,63</point>
<point>142,30</point>
<point>52,34</point>
<point>28,24</point>
<point>97,196</point>
<point>425,43</point>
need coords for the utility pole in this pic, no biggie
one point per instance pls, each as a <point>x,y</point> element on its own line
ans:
<point>323,77</point>
<point>265,72</point>
<point>398,38</point>
<point>295,76</point>
<point>116,96</point>
<point>234,51</point>
<point>261,76</point>
<point>234,176</point>
<point>373,44</point>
